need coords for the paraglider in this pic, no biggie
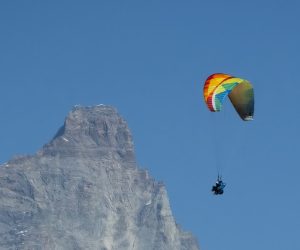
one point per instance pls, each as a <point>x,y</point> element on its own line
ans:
<point>240,92</point>
<point>218,188</point>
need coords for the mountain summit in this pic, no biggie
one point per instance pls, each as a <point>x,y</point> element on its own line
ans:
<point>93,132</point>
<point>83,190</point>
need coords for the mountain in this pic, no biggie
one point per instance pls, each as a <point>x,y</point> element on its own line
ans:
<point>83,190</point>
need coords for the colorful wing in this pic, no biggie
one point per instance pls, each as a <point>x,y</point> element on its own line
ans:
<point>218,86</point>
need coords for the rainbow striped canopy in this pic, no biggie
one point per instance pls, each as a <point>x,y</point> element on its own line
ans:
<point>240,92</point>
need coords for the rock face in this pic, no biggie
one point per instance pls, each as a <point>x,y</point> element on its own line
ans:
<point>83,190</point>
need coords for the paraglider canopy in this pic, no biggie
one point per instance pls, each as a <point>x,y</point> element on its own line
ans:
<point>240,92</point>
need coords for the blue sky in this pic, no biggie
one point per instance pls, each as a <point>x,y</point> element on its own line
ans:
<point>149,59</point>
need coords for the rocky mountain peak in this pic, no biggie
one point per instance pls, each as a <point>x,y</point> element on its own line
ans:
<point>83,190</point>
<point>92,131</point>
